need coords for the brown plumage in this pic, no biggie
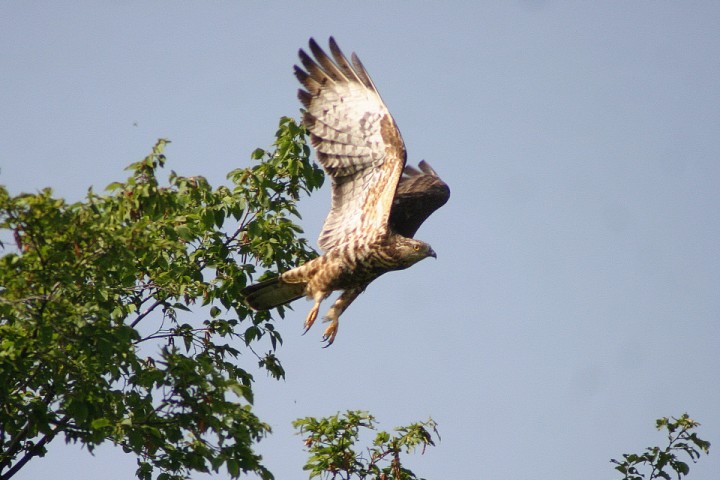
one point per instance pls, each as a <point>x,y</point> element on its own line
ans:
<point>378,203</point>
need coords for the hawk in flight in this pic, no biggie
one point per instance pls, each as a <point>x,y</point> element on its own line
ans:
<point>378,203</point>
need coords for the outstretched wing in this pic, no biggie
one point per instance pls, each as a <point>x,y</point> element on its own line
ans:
<point>418,195</point>
<point>356,140</point>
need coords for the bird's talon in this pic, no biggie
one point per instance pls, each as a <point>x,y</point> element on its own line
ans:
<point>310,320</point>
<point>330,332</point>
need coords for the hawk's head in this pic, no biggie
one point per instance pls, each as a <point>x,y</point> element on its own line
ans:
<point>409,251</point>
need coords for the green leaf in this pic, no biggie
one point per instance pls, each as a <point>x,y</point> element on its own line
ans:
<point>233,467</point>
<point>257,154</point>
<point>100,423</point>
<point>185,233</point>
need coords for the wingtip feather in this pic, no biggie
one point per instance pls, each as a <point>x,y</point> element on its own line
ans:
<point>305,97</point>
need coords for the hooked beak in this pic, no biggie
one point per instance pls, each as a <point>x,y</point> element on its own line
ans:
<point>432,253</point>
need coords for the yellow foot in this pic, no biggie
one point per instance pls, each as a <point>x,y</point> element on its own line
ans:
<point>330,333</point>
<point>311,318</point>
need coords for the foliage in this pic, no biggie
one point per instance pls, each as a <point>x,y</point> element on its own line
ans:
<point>332,443</point>
<point>681,439</point>
<point>95,341</point>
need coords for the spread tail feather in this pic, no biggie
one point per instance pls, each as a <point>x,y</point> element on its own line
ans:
<point>272,293</point>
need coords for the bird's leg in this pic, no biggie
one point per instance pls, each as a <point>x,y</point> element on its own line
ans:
<point>318,297</point>
<point>337,309</point>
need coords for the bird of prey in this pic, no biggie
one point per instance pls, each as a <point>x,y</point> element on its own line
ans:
<point>378,203</point>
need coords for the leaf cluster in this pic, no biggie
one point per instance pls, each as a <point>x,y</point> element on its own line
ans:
<point>96,344</point>
<point>335,454</point>
<point>656,462</point>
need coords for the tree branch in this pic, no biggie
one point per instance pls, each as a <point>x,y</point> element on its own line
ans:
<point>35,450</point>
<point>147,312</point>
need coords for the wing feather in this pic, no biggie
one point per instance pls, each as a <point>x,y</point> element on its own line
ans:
<point>356,140</point>
<point>362,73</point>
<point>418,195</point>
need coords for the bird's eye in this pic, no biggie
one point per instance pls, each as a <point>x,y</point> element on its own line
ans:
<point>416,248</point>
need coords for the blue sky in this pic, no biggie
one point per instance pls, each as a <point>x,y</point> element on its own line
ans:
<point>575,295</point>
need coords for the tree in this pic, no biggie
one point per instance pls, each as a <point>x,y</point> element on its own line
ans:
<point>657,462</point>
<point>332,441</point>
<point>96,343</point>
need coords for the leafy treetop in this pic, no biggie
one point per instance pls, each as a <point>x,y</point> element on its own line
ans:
<point>93,342</point>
